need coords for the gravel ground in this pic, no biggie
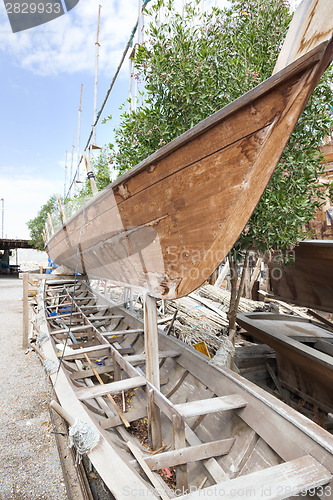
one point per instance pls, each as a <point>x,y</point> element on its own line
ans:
<point>29,463</point>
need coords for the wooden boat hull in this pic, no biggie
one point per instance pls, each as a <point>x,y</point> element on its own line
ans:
<point>167,224</point>
<point>240,446</point>
<point>309,281</point>
<point>304,353</point>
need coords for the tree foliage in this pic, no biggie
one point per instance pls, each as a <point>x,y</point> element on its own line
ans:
<point>193,64</point>
<point>37,224</point>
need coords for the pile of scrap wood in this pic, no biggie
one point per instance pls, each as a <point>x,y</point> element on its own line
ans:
<point>202,315</point>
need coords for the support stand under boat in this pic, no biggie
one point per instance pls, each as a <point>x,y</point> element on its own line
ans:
<point>152,370</point>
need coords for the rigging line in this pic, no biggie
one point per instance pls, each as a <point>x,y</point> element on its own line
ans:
<point>106,97</point>
<point>73,294</point>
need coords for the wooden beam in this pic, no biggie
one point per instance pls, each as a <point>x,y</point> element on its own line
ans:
<point>178,427</point>
<point>223,274</point>
<point>152,370</point>
<point>211,405</point>
<point>111,388</point>
<point>139,358</point>
<point>131,416</point>
<point>154,421</point>
<point>190,454</point>
<point>151,341</point>
<point>109,397</point>
<point>121,332</point>
<point>62,213</point>
<point>274,483</point>
<point>151,475</point>
<point>72,329</point>
<point>102,349</point>
<point>50,222</point>
<point>100,318</point>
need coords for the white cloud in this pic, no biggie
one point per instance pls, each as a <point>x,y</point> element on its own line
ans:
<point>67,44</point>
<point>23,197</point>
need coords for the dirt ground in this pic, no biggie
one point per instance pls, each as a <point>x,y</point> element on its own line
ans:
<point>29,463</point>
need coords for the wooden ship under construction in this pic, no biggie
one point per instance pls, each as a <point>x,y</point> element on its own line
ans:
<point>163,228</point>
<point>166,225</point>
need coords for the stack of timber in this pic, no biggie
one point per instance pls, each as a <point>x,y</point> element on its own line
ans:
<point>220,432</point>
<point>202,316</point>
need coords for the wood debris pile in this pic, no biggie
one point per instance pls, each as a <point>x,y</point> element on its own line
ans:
<point>202,316</point>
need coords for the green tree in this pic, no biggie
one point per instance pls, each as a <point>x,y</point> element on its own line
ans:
<point>195,63</point>
<point>37,225</point>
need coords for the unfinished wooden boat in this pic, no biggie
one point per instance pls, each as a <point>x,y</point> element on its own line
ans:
<point>167,224</point>
<point>304,353</point>
<point>309,280</point>
<point>222,435</point>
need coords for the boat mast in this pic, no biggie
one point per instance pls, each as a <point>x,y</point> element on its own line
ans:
<point>65,184</point>
<point>97,45</point>
<point>78,138</point>
<point>72,161</point>
<point>90,174</point>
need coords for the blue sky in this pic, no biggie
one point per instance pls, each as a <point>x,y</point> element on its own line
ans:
<point>41,74</point>
<point>42,70</point>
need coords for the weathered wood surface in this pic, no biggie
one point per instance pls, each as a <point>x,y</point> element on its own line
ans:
<point>111,388</point>
<point>205,406</point>
<point>308,282</point>
<point>202,189</point>
<point>274,483</point>
<point>255,428</point>
<point>311,25</point>
<point>190,454</point>
<point>301,367</point>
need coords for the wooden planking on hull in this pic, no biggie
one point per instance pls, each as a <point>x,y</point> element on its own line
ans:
<point>166,225</point>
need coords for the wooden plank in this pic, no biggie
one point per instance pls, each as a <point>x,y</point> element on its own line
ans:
<point>109,397</point>
<point>151,475</point>
<point>207,304</point>
<point>116,333</point>
<point>154,422</point>
<point>276,381</point>
<point>130,415</point>
<point>116,369</point>
<point>111,388</point>
<point>211,405</point>
<point>73,329</point>
<point>190,454</point>
<point>99,318</point>
<point>324,346</point>
<point>178,428</point>
<point>102,349</point>
<point>164,404</point>
<point>275,483</point>
<point>245,453</point>
<point>139,358</point>
<point>82,374</point>
<point>68,314</point>
<point>151,341</point>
